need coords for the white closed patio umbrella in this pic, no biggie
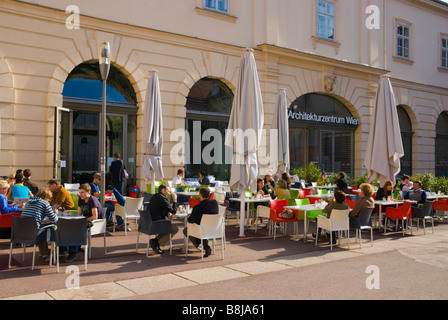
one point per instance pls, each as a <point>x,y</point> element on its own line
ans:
<point>153,131</point>
<point>385,146</point>
<point>245,130</point>
<point>279,149</point>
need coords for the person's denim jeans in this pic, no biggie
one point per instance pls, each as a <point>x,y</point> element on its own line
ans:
<point>109,214</point>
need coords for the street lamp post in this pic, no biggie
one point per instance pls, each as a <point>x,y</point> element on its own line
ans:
<point>104,62</point>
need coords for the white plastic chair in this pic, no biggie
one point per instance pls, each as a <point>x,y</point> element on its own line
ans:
<point>71,186</point>
<point>130,210</point>
<point>263,212</point>
<point>211,227</point>
<point>338,221</point>
<point>99,227</point>
<point>222,210</point>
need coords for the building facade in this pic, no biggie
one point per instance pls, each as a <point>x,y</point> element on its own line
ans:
<point>327,55</point>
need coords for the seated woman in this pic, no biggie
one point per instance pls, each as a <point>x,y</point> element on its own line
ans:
<point>269,185</point>
<point>338,204</point>
<point>281,191</point>
<point>5,207</point>
<point>365,199</point>
<point>342,183</point>
<point>18,190</point>
<point>323,180</point>
<point>39,207</point>
<point>261,191</point>
<point>385,191</point>
<point>417,194</point>
<point>287,178</point>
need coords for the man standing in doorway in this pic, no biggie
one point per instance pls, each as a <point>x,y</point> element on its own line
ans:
<point>117,169</point>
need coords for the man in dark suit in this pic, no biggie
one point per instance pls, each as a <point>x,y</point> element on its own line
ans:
<point>206,206</point>
<point>117,168</point>
<point>159,207</point>
<point>203,180</point>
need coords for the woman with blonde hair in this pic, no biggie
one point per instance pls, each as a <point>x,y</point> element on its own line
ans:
<point>5,207</point>
<point>365,199</point>
<point>281,191</point>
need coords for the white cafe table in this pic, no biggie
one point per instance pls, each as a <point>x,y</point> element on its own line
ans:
<point>321,196</point>
<point>305,208</point>
<point>185,193</point>
<point>436,197</point>
<point>326,187</point>
<point>247,201</point>
<point>183,215</point>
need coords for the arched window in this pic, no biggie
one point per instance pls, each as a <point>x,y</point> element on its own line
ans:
<point>79,126</point>
<point>442,145</point>
<point>406,136</point>
<point>85,82</point>
<point>321,131</point>
<point>209,104</point>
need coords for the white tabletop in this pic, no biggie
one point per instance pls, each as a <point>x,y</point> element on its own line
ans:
<point>326,187</point>
<point>388,202</point>
<point>436,196</point>
<point>247,200</point>
<point>181,215</point>
<point>182,193</point>
<point>321,196</point>
<point>305,207</point>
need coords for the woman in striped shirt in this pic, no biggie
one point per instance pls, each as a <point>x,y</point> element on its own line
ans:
<point>39,207</point>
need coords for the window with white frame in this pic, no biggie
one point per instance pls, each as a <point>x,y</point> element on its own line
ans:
<point>403,41</point>
<point>217,5</point>
<point>444,52</point>
<point>326,19</point>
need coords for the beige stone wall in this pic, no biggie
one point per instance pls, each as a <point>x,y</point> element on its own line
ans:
<point>37,52</point>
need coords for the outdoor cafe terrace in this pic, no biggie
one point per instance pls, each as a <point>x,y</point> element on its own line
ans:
<point>122,262</point>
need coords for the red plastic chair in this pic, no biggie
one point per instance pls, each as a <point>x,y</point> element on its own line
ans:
<point>441,205</point>
<point>402,213</point>
<point>277,208</point>
<point>193,202</point>
<point>304,192</point>
<point>6,221</point>
<point>351,203</point>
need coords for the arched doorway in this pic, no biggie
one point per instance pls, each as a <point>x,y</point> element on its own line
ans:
<point>442,145</point>
<point>77,126</point>
<point>322,132</point>
<point>209,104</point>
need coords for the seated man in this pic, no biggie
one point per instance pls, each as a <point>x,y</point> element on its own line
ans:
<point>417,194</point>
<point>95,185</point>
<point>203,180</point>
<point>160,208</point>
<point>206,206</point>
<point>61,197</point>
